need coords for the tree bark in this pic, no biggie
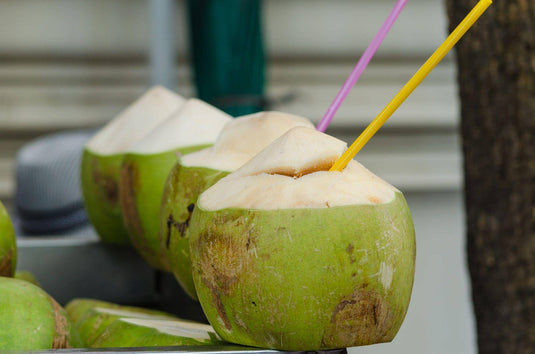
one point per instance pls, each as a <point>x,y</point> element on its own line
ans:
<point>496,63</point>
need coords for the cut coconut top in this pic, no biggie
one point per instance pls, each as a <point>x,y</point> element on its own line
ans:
<point>129,314</point>
<point>135,121</point>
<point>292,172</point>
<point>243,138</point>
<point>195,123</point>
<point>175,327</point>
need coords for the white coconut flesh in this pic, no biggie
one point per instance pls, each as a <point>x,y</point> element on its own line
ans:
<point>135,121</point>
<point>195,123</point>
<point>128,314</point>
<point>175,327</point>
<point>243,138</point>
<point>292,172</point>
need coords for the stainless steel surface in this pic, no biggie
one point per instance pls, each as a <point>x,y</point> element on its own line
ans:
<point>80,266</point>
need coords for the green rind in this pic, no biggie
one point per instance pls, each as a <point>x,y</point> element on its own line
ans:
<point>123,334</point>
<point>8,245</point>
<point>305,279</point>
<point>182,189</point>
<point>93,322</point>
<point>30,319</point>
<point>27,276</point>
<point>100,188</point>
<point>77,308</point>
<point>140,189</point>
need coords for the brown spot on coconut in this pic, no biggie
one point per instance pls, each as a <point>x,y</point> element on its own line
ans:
<point>350,248</point>
<point>308,294</point>
<point>62,327</point>
<point>226,259</point>
<point>106,184</point>
<point>374,199</point>
<point>363,317</point>
<point>238,142</point>
<point>6,264</point>
<point>129,183</point>
<point>104,153</point>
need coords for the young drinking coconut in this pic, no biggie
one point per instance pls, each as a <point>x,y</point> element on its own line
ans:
<point>104,153</point>
<point>287,255</point>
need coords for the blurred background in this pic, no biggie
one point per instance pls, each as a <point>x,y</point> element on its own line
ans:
<point>72,65</point>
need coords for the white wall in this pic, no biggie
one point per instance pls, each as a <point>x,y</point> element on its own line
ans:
<point>294,28</point>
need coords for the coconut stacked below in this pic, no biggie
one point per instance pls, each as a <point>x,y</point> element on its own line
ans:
<point>287,255</point>
<point>147,164</point>
<point>30,319</point>
<point>238,142</point>
<point>8,247</point>
<point>104,153</point>
<point>105,325</point>
<point>77,308</point>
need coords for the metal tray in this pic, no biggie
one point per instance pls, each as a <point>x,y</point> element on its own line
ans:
<point>185,350</point>
<point>80,266</point>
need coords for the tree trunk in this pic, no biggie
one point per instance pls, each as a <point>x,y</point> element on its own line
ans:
<point>496,63</point>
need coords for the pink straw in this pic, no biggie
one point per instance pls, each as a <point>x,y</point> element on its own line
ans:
<point>361,65</point>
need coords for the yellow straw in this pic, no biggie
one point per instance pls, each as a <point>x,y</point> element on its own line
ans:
<point>416,80</point>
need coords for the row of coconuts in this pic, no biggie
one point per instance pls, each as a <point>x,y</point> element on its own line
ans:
<point>30,319</point>
<point>280,252</point>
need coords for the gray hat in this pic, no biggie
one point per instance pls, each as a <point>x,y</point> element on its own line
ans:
<point>48,198</point>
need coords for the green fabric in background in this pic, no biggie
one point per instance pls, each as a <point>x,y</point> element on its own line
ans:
<point>228,54</point>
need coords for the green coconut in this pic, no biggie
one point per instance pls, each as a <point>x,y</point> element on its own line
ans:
<point>238,142</point>
<point>290,256</point>
<point>30,319</point>
<point>8,245</point>
<point>137,332</point>
<point>103,155</point>
<point>147,164</point>
<point>77,308</point>
<point>95,320</point>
